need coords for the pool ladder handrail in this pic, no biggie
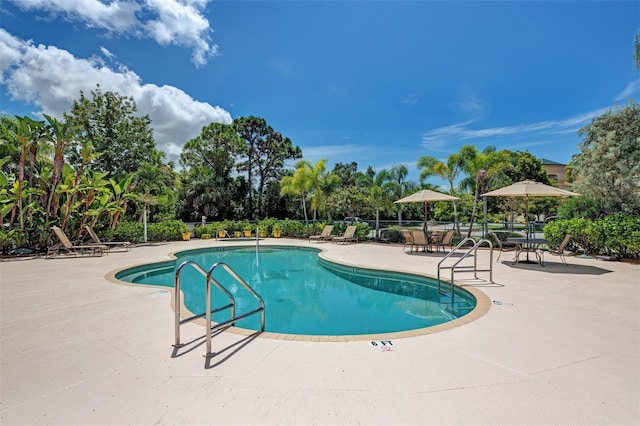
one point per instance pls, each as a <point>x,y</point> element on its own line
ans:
<point>207,314</point>
<point>475,270</point>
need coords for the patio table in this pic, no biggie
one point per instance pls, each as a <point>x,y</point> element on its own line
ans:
<point>526,245</point>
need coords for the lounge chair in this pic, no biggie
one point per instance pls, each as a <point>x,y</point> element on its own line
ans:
<point>501,248</point>
<point>325,235</point>
<point>349,235</point>
<point>408,239</point>
<point>559,252</point>
<point>419,240</point>
<point>446,240</point>
<point>66,245</point>
<point>125,245</point>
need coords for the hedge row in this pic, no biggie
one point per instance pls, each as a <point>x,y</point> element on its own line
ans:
<point>615,235</point>
<point>172,230</point>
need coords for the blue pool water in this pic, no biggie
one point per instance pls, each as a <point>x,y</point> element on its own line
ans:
<point>305,294</point>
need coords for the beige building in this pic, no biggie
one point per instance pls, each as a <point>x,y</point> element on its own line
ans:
<point>556,172</point>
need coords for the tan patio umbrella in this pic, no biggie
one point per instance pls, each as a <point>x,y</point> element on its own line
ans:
<point>426,196</point>
<point>526,189</point>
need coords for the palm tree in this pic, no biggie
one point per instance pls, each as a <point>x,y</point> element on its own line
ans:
<point>150,180</point>
<point>484,170</point>
<point>204,192</point>
<point>448,171</point>
<point>300,183</point>
<point>394,180</point>
<point>320,184</point>
<point>378,190</point>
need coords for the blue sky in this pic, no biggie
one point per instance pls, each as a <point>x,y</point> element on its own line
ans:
<point>377,82</point>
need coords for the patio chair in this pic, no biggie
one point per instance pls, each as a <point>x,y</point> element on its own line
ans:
<point>501,248</point>
<point>125,245</point>
<point>325,235</point>
<point>408,239</point>
<point>419,240</point>
<point>65,245</point>
<point>560,251</point>
<point>446,240</point>
<point>349,235</point>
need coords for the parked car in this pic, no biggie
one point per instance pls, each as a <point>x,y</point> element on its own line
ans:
<point>349,220</point>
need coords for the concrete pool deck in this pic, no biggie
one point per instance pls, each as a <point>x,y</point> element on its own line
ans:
<point>559,345</point>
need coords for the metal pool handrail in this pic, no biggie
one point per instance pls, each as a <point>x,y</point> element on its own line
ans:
<point>465,255</point>
<point>207,314</point>
<point>234,318</point>
<point>177,300</point>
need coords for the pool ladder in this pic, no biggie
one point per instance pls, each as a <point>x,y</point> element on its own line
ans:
<point>466,268</point>
<point>207,314</point>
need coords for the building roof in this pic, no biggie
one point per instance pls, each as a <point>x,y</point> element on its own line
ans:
<point>546,162</point>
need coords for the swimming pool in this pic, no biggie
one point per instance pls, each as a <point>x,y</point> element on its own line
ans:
<point>307,295</point>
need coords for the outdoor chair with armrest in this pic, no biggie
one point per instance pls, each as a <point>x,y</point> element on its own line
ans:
<point>325,235</point>
<point>446,240</point>
<point>408,239</point>
<point>349,235</point>
<point>501,248</point>
<point>419,240</point>
<point>65,245</point>
<point>125,245</point>
<point>560,251</point>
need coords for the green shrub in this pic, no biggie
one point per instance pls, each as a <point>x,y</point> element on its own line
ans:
<point>168,230</point>
<point>292,228</point>
<point>617,235</point>
<point>10,239</point>
<point>266,225</point>
<point>393,235</point>
<point>126,231</point>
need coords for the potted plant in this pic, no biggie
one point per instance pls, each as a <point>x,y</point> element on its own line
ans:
<point>186,235</point>
<point>262,233</point>
<point>277,230</point>
<point>247,231</point>
<point>222,233</point>
<point>205,236</point>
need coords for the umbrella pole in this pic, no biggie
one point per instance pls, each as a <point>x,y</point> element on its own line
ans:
<point>425,228</point>
<point>527,222</point>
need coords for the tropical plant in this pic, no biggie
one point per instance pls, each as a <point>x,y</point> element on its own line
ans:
<point>608,165</point>
<point>61,136</point>
<point>396,184</point>
<point>449,171</point>
<point>484,170</point>
<point>301,183</point>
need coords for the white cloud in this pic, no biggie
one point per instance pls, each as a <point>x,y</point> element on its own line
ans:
<point>181,22</point>
<point>48,78</point>
<point>410,101</point>
<point>168,22</point>
<point>315,153</point>
<point>471,105</point>
<point>631,89</point>
<point>106,53</point>
<point>117,16</point>
<point>443,137</point>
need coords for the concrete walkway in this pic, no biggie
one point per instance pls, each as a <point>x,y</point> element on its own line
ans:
<point>559,345</point>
